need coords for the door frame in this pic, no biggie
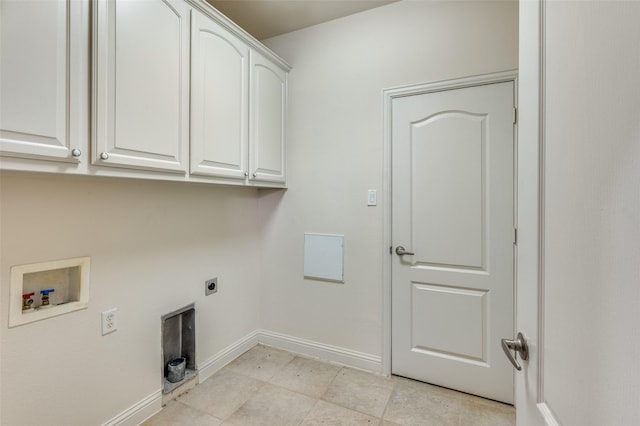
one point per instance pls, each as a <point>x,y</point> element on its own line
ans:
<point>419,89</point>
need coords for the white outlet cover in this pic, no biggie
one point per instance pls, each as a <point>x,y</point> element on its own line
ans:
<point>109,321</point>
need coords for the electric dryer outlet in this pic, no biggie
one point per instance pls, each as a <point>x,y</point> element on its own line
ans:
<point>211,286</point>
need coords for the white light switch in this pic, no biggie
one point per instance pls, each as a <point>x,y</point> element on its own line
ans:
<point>372,197</point>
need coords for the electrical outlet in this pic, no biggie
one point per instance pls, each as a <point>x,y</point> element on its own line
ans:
<point>210,286</point>
<point>109,321</point>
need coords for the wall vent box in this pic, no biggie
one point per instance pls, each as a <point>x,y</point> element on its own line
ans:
<point>178,341</point>
<point>324,257</point>
<point>68,278</point>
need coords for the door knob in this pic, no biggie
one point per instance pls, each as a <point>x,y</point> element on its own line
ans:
<point>519,346</point>
<point>400,251</point>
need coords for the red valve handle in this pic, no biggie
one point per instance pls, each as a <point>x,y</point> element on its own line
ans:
<point>27,296</point>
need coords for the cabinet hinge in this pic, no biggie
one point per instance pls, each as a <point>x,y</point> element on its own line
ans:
<point>515,115</point>
<point>515,236</point>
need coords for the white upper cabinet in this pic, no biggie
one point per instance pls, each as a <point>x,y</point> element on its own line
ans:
<point>148,89</point>
<point>141,84</point>
<point>42,79</point>
<point>267,120</point>
<point>219,100</point>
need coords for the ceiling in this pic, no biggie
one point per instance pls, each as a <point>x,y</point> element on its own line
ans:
<point>267,18</point>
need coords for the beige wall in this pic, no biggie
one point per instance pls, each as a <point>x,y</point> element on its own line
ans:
<point>335,151</point>
<point>152,245</point>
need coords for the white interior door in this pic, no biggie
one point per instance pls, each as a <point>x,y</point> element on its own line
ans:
<point>453,214</point>
<point>579,204</point>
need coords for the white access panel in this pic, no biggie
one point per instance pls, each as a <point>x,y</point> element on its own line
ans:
<point>324,257</point>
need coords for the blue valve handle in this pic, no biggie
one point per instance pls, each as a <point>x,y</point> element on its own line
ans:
<point>46,292</point>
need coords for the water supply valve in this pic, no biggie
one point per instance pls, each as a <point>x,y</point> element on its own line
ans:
<point>45,297</point>
<point>27,301</point>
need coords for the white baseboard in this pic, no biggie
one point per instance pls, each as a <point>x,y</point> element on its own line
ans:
<point>152,404</point>
<point>138,412</point>
<point>547,414</point>
<point>332,354</point>
<point>209,367</point>
<point>149,406</point>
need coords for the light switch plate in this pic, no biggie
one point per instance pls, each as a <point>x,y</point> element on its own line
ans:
<point>372,197</point>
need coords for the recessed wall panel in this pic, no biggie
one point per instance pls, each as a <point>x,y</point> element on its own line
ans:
<point>269,121</point>
<point>448,190</point>
<point>148,66</point>
<point>224,109</point>
<point>449,320</point>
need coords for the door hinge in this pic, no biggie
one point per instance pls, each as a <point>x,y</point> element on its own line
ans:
<point>515,115</point>
<point>515,236</point>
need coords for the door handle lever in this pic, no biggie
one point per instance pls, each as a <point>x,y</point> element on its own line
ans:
<point>519,346</point>
<point>400,251</point>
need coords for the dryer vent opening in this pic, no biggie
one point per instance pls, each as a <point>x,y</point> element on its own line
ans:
<point>178,348</point>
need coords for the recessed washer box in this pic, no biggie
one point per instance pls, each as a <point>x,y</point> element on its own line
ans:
<point>68,278</point>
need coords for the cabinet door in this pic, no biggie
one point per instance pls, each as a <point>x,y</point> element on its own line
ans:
<point>267,119</point>
<point>42,78</point>
<point>141,84</point>
<point>219,101</point>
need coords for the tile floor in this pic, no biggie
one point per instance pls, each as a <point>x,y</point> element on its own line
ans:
<point>268,386</point>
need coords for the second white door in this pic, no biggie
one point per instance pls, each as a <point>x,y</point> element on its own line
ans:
<point>453,217</point>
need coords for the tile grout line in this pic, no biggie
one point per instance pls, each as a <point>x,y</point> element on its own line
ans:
<point>386,405</point>
<point>287,371</point>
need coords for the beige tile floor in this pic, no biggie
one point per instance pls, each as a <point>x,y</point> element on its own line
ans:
<point>267,386</point>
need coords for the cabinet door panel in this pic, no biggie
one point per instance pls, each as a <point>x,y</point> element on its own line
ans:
<point>40,78</point>
<point>141,88</point>
<point>267,117</point>
<point>219,96</point>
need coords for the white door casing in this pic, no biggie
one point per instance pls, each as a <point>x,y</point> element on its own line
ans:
<point>452,153</point>
<point>530,408</point>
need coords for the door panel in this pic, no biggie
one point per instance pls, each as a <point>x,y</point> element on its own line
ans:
<point>41,79</point>
<point>447,171</point>
<point>452,209</point>
<point>141,99</point>
<point>220,101</point>
<point>268,111</point>
<point>431,304</point>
